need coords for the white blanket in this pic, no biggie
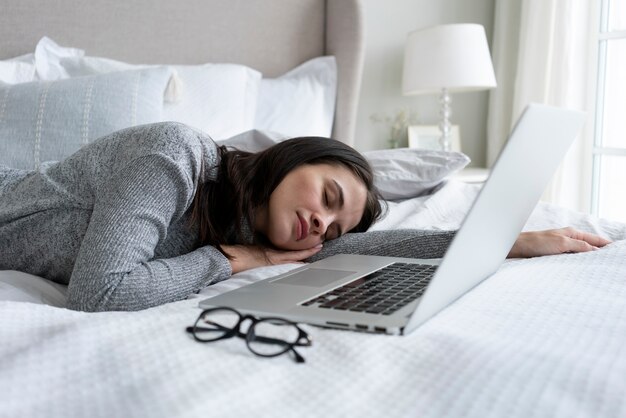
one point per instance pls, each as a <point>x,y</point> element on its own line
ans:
<point>543,337</point>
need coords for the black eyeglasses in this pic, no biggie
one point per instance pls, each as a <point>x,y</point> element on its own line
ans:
<point>265,337</point>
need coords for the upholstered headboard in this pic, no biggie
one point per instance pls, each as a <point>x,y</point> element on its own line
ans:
<point>271,36</point>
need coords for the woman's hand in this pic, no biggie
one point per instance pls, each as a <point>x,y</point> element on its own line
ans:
<point>246,257</point>
<point>555,241</point>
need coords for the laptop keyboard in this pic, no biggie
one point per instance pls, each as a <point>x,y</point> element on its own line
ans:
<point>381,292</point>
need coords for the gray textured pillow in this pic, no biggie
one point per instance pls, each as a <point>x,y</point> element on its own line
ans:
<point>253,141</point>
<point>50,120</point>
<point>403,173</point>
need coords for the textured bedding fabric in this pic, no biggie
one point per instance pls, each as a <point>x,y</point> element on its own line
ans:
<point>543,337</point>
<point>50,120</point>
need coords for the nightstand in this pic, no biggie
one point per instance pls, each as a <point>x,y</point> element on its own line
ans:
<point>472,175</point>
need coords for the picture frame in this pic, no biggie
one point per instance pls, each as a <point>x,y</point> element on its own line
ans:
<point>427,137</point>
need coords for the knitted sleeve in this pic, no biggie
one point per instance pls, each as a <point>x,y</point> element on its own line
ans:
<point>411,243</point>
<point>115,269</point>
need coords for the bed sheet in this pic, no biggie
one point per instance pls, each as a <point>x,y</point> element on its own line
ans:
<point>543,337</point>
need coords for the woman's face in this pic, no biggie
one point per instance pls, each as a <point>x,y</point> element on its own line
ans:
<point>313,203</point>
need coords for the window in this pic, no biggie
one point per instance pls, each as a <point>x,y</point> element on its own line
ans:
<point>608,197</point>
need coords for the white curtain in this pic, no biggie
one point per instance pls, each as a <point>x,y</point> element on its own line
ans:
<point>544,51</point>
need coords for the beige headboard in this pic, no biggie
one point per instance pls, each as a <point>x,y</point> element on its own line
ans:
<point>271,36</point>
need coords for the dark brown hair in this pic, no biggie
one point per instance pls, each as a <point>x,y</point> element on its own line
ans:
<point>246,180</point>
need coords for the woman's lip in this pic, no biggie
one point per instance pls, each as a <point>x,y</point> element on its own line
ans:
<point>303,231</point>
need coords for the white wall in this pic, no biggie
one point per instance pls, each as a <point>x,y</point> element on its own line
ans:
<point>387,24</point>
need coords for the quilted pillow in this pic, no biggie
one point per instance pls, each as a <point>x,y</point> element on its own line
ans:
<point>50,120</point>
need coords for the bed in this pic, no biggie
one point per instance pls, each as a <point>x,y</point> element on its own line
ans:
<point>541,337</point>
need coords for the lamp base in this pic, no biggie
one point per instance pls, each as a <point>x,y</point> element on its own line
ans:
<point>445,112</point>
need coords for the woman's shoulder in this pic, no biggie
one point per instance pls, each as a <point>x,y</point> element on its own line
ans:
<point>172,139</point>
<point>163,143</point>
<point>191,149</point>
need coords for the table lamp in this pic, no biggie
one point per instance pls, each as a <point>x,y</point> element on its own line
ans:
<point>444,59</point>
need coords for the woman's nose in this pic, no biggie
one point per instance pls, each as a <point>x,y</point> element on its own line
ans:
<point>319,224</point>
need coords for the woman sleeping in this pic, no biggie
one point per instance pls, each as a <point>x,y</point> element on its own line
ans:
<point>154,213</point>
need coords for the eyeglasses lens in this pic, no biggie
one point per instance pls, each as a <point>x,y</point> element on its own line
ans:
<point>270,337</point>
<point>214,324</point>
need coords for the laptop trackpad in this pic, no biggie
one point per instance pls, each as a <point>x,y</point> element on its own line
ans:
<point>314,277</point>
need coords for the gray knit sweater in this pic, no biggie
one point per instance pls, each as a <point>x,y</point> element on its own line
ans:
<point>112,221</point>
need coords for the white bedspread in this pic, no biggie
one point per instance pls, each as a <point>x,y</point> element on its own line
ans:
<point>543,337</point>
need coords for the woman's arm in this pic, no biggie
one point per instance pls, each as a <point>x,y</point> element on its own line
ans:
<point>399,243</point>
<point>131,214</point>
<point>412,243</point>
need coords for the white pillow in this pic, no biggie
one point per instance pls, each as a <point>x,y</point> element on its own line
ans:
<point>17,286</point>
<point>43,64</point>
<point>16,71</point>
<point>219,99</point>
<point>48,55</point>
<point>404,173</point>
<point>400,173</point>
<point>300,102</point>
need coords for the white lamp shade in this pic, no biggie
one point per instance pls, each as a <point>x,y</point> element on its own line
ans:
<point>455,57</point>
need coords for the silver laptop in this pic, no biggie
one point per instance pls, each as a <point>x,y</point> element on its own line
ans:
<point>395,295</point>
